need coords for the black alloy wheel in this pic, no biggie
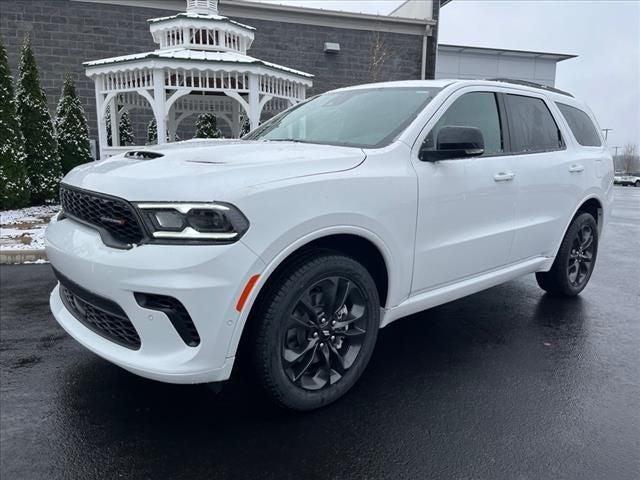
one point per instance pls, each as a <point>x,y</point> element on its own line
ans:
<point>575,260</point>
<point>324,333</point>
<point>314,329</point>
<point>581,256</point>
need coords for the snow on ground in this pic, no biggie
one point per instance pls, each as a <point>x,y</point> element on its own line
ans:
<point>23,229</point>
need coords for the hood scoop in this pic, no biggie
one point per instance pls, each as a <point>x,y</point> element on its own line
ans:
<point>142,155</point>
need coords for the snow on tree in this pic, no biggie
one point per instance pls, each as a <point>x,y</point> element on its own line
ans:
<point>42,161</point>
<point>124,125</point>
<point>71,128</point>
<point>207,126</point>
<point>152,133</point>
<point>14,182</point>
<point>126,130</point>
<point>246,127</point>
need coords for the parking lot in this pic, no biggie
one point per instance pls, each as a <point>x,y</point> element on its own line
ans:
<point>506,384</point>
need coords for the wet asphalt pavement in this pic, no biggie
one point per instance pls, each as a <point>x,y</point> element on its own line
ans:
<point>506,384</point>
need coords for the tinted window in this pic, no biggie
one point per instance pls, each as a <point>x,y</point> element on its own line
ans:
<point>477,109</point>
<point>581,125</point>
<point>531,125</point>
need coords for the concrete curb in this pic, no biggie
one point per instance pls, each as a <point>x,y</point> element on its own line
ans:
<point>8,257</point>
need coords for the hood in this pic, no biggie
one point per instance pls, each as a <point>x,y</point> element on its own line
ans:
<point>209,170</point>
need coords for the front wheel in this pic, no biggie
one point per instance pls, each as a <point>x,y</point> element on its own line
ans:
<point>637,184</point>
<point>315,330</point>
<point>575,261</point>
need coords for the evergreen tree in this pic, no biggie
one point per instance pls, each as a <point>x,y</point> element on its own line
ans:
<point>107,121</point>
<point>246,127</point>
<point>71,129</point>
<point>124,125</point>
<point>42,161</point>
<point>152,132</point>
<point>14,183</point>
<point>126,130</point>
<point>207,126</point>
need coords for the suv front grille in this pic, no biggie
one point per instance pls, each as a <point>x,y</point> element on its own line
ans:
<point>114,218</point>
<point>101,315</point>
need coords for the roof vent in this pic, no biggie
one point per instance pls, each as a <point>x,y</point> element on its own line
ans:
<point>142,155</point>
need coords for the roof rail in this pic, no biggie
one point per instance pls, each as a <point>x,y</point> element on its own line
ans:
<point>530,84</point>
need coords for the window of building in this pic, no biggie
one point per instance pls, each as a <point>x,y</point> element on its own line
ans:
<point>581,125</point>
<point>476,109</point>
<point>531,125</point>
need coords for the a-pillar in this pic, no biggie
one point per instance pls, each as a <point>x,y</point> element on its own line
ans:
<point>159,105</point>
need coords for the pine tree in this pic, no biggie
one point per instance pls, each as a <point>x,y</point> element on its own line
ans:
<point>207,126</point>
<point>126,130</point>
<point>14,183</point>
<point>124,125</point>
<point>42,161</point>
<point>246,127</point>
<point>152,132</point>
<point>71,129</point>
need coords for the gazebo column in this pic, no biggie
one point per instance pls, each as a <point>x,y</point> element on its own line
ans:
<point>115,121</point>
<point>235,119</point>
<point>102,126</point>
<point>159,104</point>
<point>254,101</point>
<point>172,127</point>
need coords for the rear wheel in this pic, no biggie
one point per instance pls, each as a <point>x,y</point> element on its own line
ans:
<point>575,261</point>
<point>637,184</point>
<point>316,330</point>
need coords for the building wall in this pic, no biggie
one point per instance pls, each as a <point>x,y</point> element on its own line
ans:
<point>66,33</point>
<point>471,65</point>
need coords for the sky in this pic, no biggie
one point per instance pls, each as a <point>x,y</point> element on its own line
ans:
<point>605,34</point>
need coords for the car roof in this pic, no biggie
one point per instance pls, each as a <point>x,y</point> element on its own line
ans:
<point>551,93</point>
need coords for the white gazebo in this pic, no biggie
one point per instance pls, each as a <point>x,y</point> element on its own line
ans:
<point>201,66</point>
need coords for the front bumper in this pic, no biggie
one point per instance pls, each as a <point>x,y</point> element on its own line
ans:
<point>206,279</point>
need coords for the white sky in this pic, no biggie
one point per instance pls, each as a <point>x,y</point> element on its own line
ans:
<point>605,34</point>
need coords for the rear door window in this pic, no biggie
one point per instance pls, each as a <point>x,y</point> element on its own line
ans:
<point>531,125</point>
<point>581,125</point>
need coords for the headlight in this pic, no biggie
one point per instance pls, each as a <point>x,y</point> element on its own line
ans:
<point>193,222</point>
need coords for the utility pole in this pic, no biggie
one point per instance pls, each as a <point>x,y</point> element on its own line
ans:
<point>615,155</point>
<point>606,133</point>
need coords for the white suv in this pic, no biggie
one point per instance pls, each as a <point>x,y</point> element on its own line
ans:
<point>337,217</point>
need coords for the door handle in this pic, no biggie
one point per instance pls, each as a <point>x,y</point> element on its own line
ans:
<point>504,176</point>
<point>576,168</point>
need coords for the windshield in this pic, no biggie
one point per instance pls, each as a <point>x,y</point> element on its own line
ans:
<point>367,118</point>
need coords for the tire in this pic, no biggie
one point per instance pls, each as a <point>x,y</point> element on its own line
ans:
<point>637,184</point>
<point>309,347</point>
<point>575,261</point>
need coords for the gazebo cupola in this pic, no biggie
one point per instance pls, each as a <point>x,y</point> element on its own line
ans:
<point>201,66</point>
<point>202,28</point>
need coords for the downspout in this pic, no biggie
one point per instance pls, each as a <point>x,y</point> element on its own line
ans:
<point>424,53</point>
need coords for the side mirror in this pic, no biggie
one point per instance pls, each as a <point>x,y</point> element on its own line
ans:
<point>455,142</point>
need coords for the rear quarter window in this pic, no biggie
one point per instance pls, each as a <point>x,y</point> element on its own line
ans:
<point>531,125</point>
<point>581,125</point>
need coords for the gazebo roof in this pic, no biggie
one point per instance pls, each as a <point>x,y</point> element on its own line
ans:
<point>184,54</point>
